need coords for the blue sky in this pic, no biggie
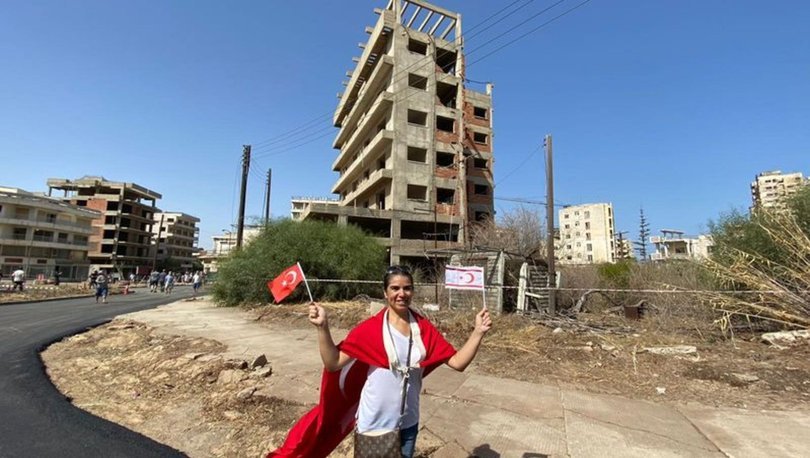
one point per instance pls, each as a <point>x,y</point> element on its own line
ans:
<point>669,105</point>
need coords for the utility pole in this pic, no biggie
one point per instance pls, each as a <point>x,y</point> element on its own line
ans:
<point>157,243</point>
<point>240,229</point>
<point>552,274</point>
<point>267,197</point>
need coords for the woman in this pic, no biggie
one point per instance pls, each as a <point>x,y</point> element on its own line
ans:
<point>363,376</point>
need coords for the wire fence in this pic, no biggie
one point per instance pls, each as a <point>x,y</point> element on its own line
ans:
<point>582,290</point>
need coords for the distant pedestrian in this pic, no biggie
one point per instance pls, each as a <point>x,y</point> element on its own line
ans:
<point>162,280</point>
<point>132,279</point>
<point>102,290</point>
<point>18,277</point>
<point>56,275</point>
<point>91,280</point>
<point>169,283</point>
<point>154,279</point>
<point>197,280</point>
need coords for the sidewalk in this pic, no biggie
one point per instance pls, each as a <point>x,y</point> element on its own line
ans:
<point>473,414</point>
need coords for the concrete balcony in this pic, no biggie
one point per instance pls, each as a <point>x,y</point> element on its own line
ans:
<point>375,47</point>
<point>43,242</point>
<point>367,95</point>
<point>378,110</point>
<point>370,183</point>
<point>377,148</point>
<point>63,226</point>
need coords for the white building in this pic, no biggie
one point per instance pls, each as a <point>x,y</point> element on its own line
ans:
<point>770,190</point>
<point>672,244</point>
<point>42,235</point>
<point>586,234</point>
<point>179,236</point>
<point>223,245</point>
<point>298,205</point>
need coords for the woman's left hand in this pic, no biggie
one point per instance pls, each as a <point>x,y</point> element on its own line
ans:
<point>483,322</point>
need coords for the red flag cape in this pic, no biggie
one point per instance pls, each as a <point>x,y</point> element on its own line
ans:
<point>283,285</point>
<point>321,429</point>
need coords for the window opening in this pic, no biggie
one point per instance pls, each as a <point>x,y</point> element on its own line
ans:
<point>418,47</point>
<point>444,159</point>
<point>416,192</point>
<point>445,124</point>
<point>445,196</point>
<point>417,81</point>
<point>418,118</point>
<point>417,154</point>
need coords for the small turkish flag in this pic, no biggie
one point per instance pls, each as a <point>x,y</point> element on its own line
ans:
<point>283,285</point>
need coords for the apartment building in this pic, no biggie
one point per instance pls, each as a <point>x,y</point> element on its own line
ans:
<point>673,244</point>
<point>175,236</point>
<point>414,143</point>
<point>223,244</point>
<point>121,238</point>
<point>299,204</point>
<point>586,234</point>
<point>769,190</point>
<point>44,236</point>
<point>624,249</point>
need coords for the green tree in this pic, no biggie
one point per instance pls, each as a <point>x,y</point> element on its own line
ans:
<point>325,250</point>
<point>736,232</point>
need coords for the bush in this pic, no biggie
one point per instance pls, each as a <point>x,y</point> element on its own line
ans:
<point>616,275</point>
<point>735,232</point>
<point>325,250</point>
<point>767,256</point>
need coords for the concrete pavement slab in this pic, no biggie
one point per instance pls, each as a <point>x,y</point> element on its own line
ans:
<point>522,398</point>
<point>611,426</point>
<point>740,433</point>
<point>499,432</point>
<point>444,381</point>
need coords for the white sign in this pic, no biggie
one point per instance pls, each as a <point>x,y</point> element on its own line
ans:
<point>458,277</point>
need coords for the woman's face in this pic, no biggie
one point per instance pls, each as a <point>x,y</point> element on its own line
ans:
<point>399,292</point>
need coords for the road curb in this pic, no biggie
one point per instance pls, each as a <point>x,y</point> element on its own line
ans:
<point>61,298</point>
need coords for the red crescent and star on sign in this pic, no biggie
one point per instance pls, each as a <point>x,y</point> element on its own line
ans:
<point>470,278</point>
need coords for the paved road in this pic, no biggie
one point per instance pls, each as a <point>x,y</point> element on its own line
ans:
<point>35,419</point>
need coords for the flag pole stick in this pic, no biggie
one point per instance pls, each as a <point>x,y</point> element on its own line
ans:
<point>484,295</point>
<point>306,283</point>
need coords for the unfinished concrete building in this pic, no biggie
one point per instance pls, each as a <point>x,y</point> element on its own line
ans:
<point>415,145</point>
<point>122,235</point>
<point>175,236</point>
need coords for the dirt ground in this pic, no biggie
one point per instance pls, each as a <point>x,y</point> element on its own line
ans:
<point>182,392</point>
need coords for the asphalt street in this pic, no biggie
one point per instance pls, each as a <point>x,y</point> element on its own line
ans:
<point>35,419</point>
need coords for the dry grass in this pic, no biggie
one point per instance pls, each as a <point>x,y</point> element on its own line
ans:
<point>775,292</point>
<point>604,353</point>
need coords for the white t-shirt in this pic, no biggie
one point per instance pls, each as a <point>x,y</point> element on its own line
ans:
<point>18,275</point>
<point>381,397</point>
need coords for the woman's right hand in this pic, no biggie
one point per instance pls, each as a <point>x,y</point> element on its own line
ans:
<point>317,315</point>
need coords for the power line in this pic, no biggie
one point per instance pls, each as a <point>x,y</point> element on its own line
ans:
<point>313,122</point>
<point>289,148</point>
<point>518,166</point>
<point>527,201</point>
<point>470,37</point>
<point>555,18</point>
